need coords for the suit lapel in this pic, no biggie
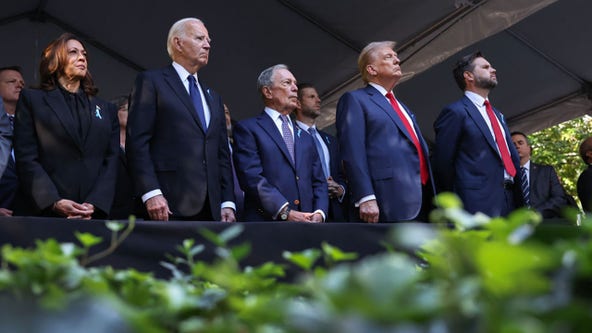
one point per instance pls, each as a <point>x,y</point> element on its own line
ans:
<point>299,149</point>
<point>58,105</point>
<point>333,151</point>
<point>532,180</point>
<point>94,112</point>
<point>480,122</point>
<point>97,115</point>
<point>422,142</point>
<point>174,81</point>
<point>214,112</point>
<point>269,127</point>
<point>381,101</point>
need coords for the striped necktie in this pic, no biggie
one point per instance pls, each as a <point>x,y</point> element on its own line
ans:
<point>525,185</point>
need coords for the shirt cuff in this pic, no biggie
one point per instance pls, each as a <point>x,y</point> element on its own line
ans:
<point>279,210</point>
<point>151,194</point>
<point>364,199</point>
<point>229,204</point>
<point>320,212</point>
<point>340,199</point>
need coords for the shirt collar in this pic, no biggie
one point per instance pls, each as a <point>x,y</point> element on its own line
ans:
<point>304,126</point>
<point>475,98</point>
<point>273,113</point>
<point>378,87</point>
<point>183,73</point>
<point>526,165</point>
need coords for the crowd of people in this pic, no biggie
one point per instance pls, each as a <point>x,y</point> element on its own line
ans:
<point>170,150</point>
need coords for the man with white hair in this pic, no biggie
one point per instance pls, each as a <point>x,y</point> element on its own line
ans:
<point>176,135</point>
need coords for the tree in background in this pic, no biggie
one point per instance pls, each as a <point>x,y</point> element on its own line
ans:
<point>558,146</point>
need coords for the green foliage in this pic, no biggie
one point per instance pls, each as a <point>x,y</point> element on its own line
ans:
<point>482,275</point>
<point>559,145</point>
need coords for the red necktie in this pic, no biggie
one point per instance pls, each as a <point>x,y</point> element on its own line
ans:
<point>500,141</point>
<point>423,167</point>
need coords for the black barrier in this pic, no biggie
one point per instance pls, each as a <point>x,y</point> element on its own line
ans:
<point>150,241</point>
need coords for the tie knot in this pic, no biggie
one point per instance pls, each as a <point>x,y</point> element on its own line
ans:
<point>523,169</point>
<point>284,118</point>
<point>486,103</point>
<point>191,79</point>
<point>312,130</point>
<point>390,95</point>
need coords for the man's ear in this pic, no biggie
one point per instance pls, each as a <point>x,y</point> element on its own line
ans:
<point>267,92</point>
<point>469,77</point>
<point>371,70</point>
<point>177,43</point>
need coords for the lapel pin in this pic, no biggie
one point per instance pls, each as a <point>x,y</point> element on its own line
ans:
<point>98,112</point>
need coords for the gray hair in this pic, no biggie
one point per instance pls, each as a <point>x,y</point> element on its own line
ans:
<point>265,79</point>
<point>178,29</point>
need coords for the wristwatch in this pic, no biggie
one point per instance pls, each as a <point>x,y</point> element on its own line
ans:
<point>284,214</point>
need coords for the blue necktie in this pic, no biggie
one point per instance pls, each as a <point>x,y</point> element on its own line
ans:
<point>196,98</point>
<point>525,186</point>
<point>313,132</point>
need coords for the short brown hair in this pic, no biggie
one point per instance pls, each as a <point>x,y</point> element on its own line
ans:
<point>53,61</point>
<point>464,64</point>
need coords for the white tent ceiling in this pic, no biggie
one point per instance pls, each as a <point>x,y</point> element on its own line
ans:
<point>539,47</point>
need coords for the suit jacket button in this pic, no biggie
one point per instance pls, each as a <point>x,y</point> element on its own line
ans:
<point>297,202</point>
<point>297,178</point>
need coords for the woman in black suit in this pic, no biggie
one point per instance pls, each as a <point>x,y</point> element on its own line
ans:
<point>65,139</point>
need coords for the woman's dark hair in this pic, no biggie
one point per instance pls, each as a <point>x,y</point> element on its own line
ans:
<point>53,61</point>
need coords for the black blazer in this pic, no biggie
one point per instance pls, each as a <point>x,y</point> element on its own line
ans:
<point>54,162</point>
<point>168,149</point>
<point>546,193</point>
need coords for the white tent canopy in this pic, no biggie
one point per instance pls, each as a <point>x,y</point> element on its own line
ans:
<point>539,47</point>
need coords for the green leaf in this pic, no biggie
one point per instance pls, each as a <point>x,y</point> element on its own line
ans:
<point>211,236</point>
<point>114,226</point>
<point>268,269</point>
<point>304,259</point>
<point>241,251</point>
<point>188,243</point>
<point>447,200</point>
<point>87,240</point>
<point>336,255</point>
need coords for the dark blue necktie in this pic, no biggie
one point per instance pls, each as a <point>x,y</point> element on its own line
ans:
<point>525,186</point>
<point>197,103</point>
<point>313,133</point>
